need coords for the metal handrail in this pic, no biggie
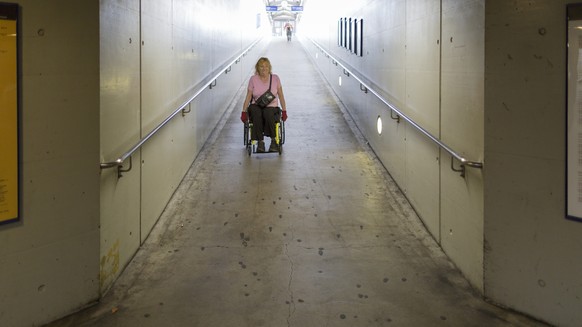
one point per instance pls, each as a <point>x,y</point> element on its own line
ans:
<point>182,108</point>
<point>366,88</point>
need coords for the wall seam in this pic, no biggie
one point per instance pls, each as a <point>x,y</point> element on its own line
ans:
<point>140,120</point>
<point>440,43</point>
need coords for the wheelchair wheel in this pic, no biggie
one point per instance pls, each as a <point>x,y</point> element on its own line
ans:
<point>280,135</point>
<point>247,138</point>
<point>245,134</point>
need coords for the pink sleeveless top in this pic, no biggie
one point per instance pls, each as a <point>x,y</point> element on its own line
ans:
<point>258,88</point>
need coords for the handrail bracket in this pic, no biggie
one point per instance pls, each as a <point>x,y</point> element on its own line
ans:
<point>120,169</point>
<point>184,111</point>
<point>458,170</point>
<point>363,88</point>
<point>396,118</point>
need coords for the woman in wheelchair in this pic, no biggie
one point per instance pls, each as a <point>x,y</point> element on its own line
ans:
<point>264,119</point>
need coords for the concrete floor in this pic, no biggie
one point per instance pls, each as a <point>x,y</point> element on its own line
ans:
<point>319,236</point>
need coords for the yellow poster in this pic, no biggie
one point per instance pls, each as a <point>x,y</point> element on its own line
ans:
<point>8,116</point>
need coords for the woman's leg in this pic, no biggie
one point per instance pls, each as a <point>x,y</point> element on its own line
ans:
<point>256,116</point>
<point>271,116</point>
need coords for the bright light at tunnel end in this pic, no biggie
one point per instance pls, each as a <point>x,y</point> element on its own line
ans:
<point>379,125</point>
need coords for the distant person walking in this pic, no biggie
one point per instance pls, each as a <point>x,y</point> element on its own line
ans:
<point>289,31</point>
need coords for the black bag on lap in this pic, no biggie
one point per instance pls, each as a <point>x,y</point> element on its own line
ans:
<point>267,97</point>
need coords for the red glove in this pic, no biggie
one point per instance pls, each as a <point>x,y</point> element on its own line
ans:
<point>243,116</point>
<point>284,116</point>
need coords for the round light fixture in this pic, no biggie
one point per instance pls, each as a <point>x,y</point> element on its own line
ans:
<point>379,125</point>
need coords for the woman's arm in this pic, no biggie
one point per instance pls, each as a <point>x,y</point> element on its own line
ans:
<point>281,98</point>
<point>247,100</point>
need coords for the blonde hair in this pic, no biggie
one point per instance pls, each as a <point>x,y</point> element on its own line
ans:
<point>260,61</point>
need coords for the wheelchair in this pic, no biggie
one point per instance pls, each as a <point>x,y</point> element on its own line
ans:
<point>251,145</point>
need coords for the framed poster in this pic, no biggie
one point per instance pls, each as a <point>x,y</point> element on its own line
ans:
<point>9,121</point>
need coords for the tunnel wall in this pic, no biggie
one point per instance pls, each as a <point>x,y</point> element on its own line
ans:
<point>49,260</point>
<point>426,58</point>
<point>95,78</point>
<point>153,58</point>
<point>487,78</point>
<point>532,253</point>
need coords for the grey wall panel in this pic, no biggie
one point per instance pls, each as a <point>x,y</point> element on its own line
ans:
<point>120,223</point>
<point>462,220</point>
<point>387,64</point>
<point>390,146</point>
<point>532,258</point>
<point>463,64</point>
<point>49,259</point>
<point>462,111</point>
<point>120,107</point>
<point>158,96</point>
<point>422,104</point>
<point>421,172</point>
<point>385,48</point>
<point>422,64</point>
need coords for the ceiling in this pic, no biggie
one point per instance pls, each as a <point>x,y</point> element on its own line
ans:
<point>284,12</point>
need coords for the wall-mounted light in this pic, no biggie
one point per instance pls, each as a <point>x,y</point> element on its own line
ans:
<point>339,81</point>
<point>316,55</point>
<point>379,125</point>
